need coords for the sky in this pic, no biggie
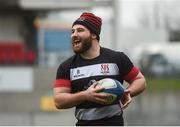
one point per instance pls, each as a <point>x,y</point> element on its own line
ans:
<point>129,9</point>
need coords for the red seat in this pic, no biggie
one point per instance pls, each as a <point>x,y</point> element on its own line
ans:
<point>15,53</point>
<point>12,57</point>
<point>30,57</point>
<point>3,57</point>
<point>20,57</point>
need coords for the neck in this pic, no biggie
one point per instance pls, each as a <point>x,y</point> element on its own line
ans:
<point>93,52</point>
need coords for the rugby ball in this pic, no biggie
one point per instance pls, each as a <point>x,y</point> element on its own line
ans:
<point>112,87</point>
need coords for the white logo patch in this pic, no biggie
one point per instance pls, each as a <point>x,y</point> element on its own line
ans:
<point>94,70</point>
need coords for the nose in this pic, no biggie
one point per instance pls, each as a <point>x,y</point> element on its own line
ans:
<point>74,33</point>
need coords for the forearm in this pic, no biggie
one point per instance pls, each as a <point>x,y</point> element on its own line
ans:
<point>68,100</point>
<point>137,86</point>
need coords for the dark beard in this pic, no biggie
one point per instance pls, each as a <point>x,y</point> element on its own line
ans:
<point>86,45</point>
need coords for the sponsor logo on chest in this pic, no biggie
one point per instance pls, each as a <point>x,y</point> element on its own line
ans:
<point>94,70</point>
<point>78,74</point>
<point>104,68</point>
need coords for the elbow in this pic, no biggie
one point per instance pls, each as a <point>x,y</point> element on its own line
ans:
<point>144,84</point>
<point>59,104</point>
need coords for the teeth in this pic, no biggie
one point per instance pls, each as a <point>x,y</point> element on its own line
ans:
<point>76,40</point>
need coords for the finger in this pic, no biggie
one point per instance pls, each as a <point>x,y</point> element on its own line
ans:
<point>99,89</point>
<point>94,85</point>
<point>101,95</point>
<point>100,101</point>
<point>124,106</point>
<point>129,100</point>
<point>127,91</point>
<point>120,104</point>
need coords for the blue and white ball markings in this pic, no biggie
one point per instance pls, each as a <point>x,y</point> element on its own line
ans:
<point>112,87</point>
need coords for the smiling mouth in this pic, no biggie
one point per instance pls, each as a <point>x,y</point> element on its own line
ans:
<point>76,42</point>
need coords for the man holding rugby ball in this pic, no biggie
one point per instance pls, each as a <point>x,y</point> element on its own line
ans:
<point>76,79</point>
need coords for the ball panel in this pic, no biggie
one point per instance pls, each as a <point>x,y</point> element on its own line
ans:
<point>112,87</point>
<point>111,98</point>
<point>120,90</point>
<point>108,83</point>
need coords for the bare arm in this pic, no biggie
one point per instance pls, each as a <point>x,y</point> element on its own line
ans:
<point>64,99</point>
<point>136,86</point>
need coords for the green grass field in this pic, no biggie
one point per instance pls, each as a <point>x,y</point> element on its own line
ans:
<point>163,84</point>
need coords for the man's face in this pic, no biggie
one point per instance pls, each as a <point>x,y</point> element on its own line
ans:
<point>81,39</point>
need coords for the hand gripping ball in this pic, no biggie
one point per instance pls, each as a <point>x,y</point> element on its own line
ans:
<point>112,87</point>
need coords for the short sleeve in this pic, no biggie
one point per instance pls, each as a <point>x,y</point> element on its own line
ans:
<point>124,63</point>
<point>62,72</point>
<point>126,68</point>
<point>62,77</point>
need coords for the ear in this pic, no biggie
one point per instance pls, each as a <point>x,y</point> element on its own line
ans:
<point>94,36</point>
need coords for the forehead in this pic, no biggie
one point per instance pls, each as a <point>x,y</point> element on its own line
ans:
<point>78,26</point>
